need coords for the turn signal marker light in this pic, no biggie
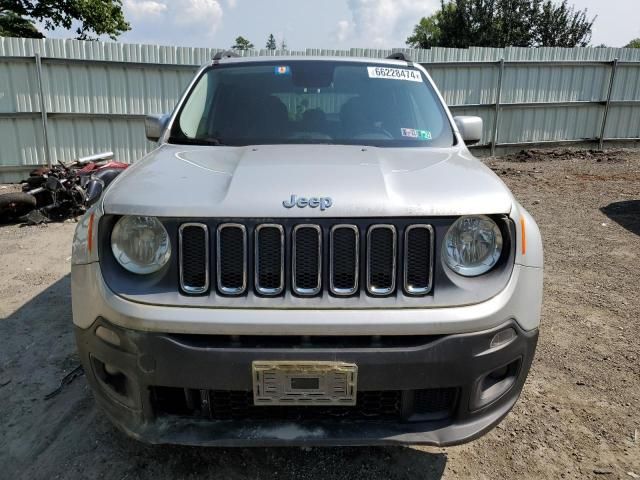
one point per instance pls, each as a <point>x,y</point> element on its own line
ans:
<point>90,233</point>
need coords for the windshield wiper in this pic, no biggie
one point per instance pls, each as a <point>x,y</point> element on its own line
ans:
<point>197,141</point>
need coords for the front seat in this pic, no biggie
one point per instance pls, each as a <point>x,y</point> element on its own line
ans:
<point>269,118</point>
<point>355,117</point>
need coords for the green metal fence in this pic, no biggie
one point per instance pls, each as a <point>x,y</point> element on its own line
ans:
<point>60,99</point>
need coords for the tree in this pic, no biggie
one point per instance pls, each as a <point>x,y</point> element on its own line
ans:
<point>271,43</point>
<point>635,43</point>
<point>242,44</point>
<point>503,23</point>
<point>283,44</point>
<point>94,17</point>
<point>426,34</point>
<point>562,26</point>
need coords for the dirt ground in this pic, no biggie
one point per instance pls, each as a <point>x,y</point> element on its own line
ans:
<point>579,415</point>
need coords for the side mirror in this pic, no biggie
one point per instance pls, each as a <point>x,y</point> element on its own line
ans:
<point>154,125</point>
<point>94,190</point>
<point>470,128</point>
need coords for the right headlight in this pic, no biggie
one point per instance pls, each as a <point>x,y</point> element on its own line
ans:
<point>472,245</point>
<point>140,244</point>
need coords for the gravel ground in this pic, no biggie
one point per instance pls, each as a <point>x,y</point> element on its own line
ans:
<point>579,415</point>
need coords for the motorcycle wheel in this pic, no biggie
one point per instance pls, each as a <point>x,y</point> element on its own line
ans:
<point>15,205</point>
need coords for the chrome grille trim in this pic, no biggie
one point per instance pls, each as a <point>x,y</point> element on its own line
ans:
<point>372,289</point>
<point>409,289</point>
<point>191,289</point>
<point>231,290</point>
<point>256,261</point>
<point>294,283</point>
<point>343,291</point>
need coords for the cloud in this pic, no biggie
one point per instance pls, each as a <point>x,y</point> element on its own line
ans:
<point>343,30</point>
<point>166,21</point>
<point>386,23</point>
<point>137,8</point>
<point>232,3</point>
<point>206,13</point>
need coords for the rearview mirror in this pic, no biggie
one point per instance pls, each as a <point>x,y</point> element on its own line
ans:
<point>470,129</point>
<point>154,125</point>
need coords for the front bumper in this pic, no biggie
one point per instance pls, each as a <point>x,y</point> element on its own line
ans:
<point>146,361</point>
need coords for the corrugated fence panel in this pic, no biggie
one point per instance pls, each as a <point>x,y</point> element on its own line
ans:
<point>117,89</point>
<point>18,86</point>
<point>558,83</point>
<point>71,138</point>
<point>21,141</point>
<point>623,122</point>
<point>537,124</point>
<point>627,85</point>
<point>461,85</point>
<point>97,92</point>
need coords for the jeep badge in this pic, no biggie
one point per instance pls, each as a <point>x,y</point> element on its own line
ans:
<point>313,202</point>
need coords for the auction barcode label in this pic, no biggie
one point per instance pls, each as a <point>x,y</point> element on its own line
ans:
<point>395,74</point>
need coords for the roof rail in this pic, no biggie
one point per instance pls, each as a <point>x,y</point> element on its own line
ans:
<point>399,56</point>
<point>225,54</point>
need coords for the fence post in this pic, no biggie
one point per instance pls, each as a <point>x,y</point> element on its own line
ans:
<point>496,120</point>
<point>612,79</point>
<point>43,109</point>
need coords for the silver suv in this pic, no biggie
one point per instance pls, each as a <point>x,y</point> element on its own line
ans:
<point>311,255</point>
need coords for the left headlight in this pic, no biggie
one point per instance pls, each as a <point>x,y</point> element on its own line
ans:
<point>472,245</point>
<point>140,244</point>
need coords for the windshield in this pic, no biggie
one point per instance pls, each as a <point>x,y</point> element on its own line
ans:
<point>313,102</point>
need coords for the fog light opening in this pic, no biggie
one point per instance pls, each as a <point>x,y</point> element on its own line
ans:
<point>495,384</point>
<point>503,337</point>
<point>111,377</point>
<point>499,374</point>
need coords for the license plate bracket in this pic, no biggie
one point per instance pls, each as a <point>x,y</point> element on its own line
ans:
<point>304,383</point>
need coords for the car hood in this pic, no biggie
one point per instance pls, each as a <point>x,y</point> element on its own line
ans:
<point>196,181</point>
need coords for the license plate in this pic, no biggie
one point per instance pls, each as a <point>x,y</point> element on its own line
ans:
<point>304,383</point>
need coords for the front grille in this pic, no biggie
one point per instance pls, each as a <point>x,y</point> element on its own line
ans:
<point>232,259</point>
<point>418,259</point>
<point>381,259</point>
<point>411,405</point>
<point>194,258</point>
<point>269,259</point>
<point>308,259</point>
<point>345,256</point>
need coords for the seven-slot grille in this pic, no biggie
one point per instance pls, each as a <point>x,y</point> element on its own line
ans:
<point>308,259</point>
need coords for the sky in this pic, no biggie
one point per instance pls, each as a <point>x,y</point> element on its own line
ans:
<point>323,23</point>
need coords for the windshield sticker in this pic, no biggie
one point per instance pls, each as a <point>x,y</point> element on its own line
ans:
<point>417,134</point>
<point>283,70</point>
<point>395,74</point>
